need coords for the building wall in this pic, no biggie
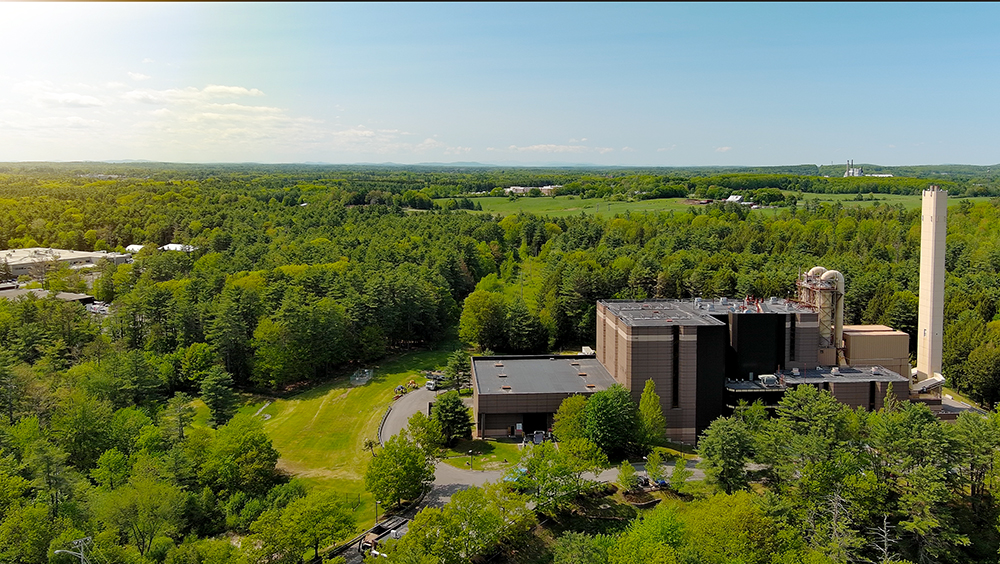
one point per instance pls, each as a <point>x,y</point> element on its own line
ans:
<point>711,380</point>
<point>852,394</point>
<point>682,420</point>
<point>806,340</point>
<point>495,413</point>
<point>889,349</point>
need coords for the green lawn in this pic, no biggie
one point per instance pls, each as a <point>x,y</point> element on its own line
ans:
<point>487,455</point>
<point>560,206</point>
<point>910,202</point>
<point>320,432</point>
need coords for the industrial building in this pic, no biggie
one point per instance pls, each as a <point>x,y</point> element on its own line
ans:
<point>32,261</point>
<point>14,293</point>
<point>705,356</point>
<point>520,394</point>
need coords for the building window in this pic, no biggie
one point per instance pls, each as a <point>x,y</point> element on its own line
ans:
<point>675,383</point>
<point>791,340</point>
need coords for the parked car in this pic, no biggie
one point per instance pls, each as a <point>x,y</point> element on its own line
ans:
<point>431,385</point>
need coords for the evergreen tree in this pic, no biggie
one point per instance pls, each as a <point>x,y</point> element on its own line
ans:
<point>455,419</point>
<point>217,392</point>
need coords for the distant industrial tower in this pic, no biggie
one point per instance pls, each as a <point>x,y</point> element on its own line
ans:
<point>852,170</point>
<point>930,324</point>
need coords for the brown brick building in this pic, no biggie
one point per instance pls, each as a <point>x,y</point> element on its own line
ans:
<point>704,357</point>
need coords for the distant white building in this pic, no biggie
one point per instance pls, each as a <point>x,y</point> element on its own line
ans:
<point>546,190</point>
<point>134,248</point>
<point>25,261</point>
<point>178,247</point>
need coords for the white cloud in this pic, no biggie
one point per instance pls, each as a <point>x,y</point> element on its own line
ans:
<point>70,100</point>
<point>665,149</point>
<point>139,76</point>
<point>147,60</point>
<point>429,143</point>
<point>723,149</point>
<point>189,94</point>
<point>218,90</point>
<point>628,150</point>
<point>77,121</point>
<point>578,140</point>
<point>212,123</point>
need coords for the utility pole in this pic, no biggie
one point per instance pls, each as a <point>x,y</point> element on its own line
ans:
<point>81,545</point>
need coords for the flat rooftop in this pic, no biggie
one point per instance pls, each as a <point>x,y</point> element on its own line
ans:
<point>31,255</point>
<point>871,330</point>
<point>695,311</point>
<point>663,312</point>
<point>821,375</point>
<point>540,374</point>
<point>15,293</point>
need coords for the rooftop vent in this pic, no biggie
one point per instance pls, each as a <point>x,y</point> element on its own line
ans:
<point>507,388</point>
<point>575,363</point>
<point>581,374</point>
<point>501,375</point>
<point>591,386</point>
<point>835,371</point>
<point>499,365</point>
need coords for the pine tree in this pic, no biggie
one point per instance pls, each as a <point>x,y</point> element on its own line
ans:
<point>217,392</point>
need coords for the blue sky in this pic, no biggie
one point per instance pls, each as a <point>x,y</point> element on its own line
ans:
<point>607,84</point>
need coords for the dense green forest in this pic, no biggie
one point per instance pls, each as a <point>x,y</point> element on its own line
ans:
<point>302,273</point>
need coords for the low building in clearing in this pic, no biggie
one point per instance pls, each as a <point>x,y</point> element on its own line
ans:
<point>521,394</point>
<point>30,261</point>
<point>12,294</point>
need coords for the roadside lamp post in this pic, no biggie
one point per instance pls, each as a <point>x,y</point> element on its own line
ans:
<point>377,503</point>
<point>81,545</point>
<point>470,461</point>
<point>645,466</point>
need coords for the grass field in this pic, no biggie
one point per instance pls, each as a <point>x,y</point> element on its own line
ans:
<point>320,432</point>
<point>561,206</point>
<point>486,455</point>
<point>909,202</point>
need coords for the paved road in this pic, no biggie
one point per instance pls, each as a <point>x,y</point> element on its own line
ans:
<point>403,409</point>
<point>406,406</point>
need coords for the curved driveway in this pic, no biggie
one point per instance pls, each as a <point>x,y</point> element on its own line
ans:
<point>403,409</point>
<point>448,479</point>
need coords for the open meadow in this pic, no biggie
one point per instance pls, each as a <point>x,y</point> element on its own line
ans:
<point>562,206</point>
<point>320,432</point>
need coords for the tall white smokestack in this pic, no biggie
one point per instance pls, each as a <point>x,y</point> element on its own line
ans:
<point>930,323</point>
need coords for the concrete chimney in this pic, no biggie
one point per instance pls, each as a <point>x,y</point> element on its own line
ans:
<point>930,323</point>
